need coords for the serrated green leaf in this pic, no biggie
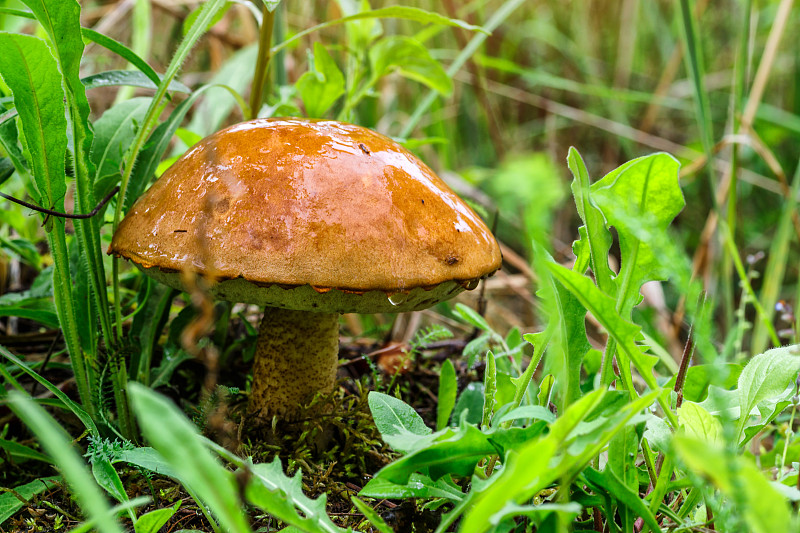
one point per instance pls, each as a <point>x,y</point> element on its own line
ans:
<point>643,193</point>
<point>595,237</point>
<point>531,467</point>
<point>568,343</point>
<point>602,307</point>
<point>322,85</point>
<point>410,59</point>
<point>282,496</point>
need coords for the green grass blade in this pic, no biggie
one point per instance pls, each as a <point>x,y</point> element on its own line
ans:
<point>30,71</point>
<point>123,51</point>
<point>76,409</point>
<point>61,21</point>
<point>696,67</point>
<point>58,444</point>
<point>200,25</point>
<point>497,18</point>
<point>775,270</point>
<point>179,443</point>
<point>397,12</point>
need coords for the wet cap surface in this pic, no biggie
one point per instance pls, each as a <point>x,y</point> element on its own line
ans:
<point>296,202</point>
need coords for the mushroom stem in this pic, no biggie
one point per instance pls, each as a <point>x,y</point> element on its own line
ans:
<point>297,355</point>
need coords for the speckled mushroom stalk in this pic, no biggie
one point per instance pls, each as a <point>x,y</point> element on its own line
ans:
<point>296,357</point>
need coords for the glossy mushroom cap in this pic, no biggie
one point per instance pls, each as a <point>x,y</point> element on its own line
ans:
<point>313,215</point>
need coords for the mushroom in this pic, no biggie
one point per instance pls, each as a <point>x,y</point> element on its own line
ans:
<point>310,219</point>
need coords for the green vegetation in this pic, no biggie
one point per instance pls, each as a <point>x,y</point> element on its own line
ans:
<point>643,378</point>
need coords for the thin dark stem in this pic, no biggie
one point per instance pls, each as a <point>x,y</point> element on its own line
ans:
<point>58,214</point>
<point>681,377</point>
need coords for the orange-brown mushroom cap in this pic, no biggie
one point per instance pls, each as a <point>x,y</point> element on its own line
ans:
<point>327,213</point>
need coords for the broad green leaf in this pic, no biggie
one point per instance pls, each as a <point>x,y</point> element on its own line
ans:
<point>410,59</point>
<point>176,439</point>
<point>535,412</point>
<point>153,521</point>
<point>10,504</point>
<point>699,424</point>
<point>457,451</point>
<point>114,132</point>
<point>107,477</point>
<point>61,21</point>
<point>471,316</point>
<point>622,475</point>
<point>21,453</point>
<point>448,388</point>
<point>360,33</point>
<point>699,377</point>
<point>395,417</point>
<point>594,235</point>
<point>469,405</point>
<point>569,511</point>
<point>764,508</point>
<point>282,496</point>
<point>489,389</point>
<point>24,249</point>
<point>322,85</point>
<point>149,459</point>
<point>39,309</point>
<point>767,376</point>
<point>236,75</point>
<point>58,444</point>
<point>641,194</point>
<point>31,72</point>
<point>418,486</point>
